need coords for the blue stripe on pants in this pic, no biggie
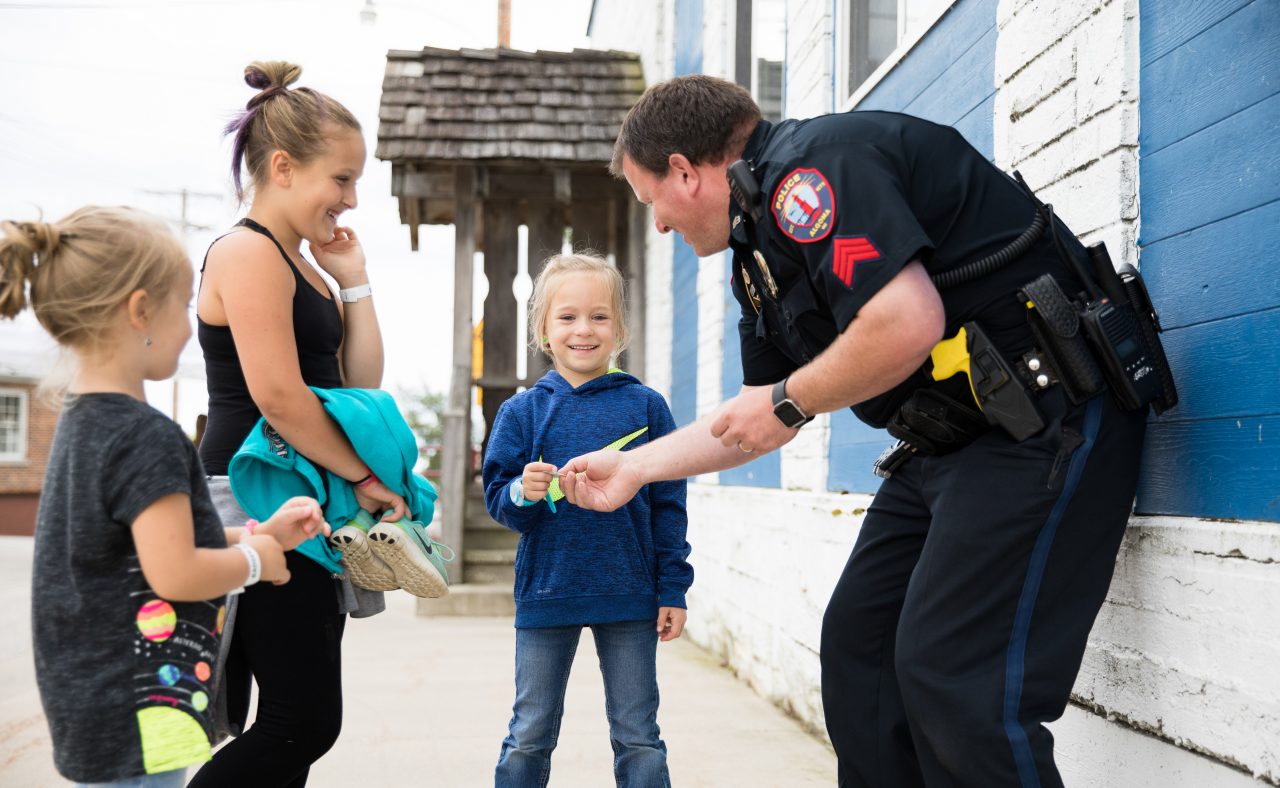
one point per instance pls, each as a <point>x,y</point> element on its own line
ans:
<point>1015,658</point>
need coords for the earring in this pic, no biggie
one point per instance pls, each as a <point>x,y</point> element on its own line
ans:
<point>147,342</point>
<point>546,342</point>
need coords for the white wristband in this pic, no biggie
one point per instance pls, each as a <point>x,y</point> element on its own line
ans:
<point>354,294</point>
<point>255,562</point>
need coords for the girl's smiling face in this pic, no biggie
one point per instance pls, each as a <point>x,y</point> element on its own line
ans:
<point>326,185</point>
<point>580,327</point>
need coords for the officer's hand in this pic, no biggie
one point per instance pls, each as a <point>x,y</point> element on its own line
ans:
<point>601,480</point>
<point>747,423</point>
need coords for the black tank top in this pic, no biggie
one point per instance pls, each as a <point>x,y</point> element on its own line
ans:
<point>317,329</point>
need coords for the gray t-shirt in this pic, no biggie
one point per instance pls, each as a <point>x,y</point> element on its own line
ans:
<point>125,676</point>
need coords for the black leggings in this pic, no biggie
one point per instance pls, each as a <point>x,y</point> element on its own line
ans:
<point>289,638</point>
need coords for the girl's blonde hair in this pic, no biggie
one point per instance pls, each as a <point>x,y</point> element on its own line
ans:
<point>82,268</point>
<point>277,118</point>
<point>556,268</point>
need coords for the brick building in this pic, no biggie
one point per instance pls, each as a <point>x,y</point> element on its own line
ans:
<point>26,431</point>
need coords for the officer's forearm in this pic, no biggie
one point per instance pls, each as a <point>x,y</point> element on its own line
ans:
<point>687,452</point>
<point>888,340</point>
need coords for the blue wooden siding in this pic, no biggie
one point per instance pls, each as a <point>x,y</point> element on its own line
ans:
<point>684,332</point>
<point>684,262</point>
<point>948,77</point>
<point>767,470</point>
<point>1210,193</point>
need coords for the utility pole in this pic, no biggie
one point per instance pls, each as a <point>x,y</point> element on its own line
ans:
<point>184,226</point>
<point>504,24</point>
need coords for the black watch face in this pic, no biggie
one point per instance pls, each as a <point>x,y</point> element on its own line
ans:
<point>788,413</point>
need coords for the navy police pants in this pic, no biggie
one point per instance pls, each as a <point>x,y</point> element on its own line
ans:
<point>959,623</point>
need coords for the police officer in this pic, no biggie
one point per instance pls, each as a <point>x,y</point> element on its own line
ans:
<point>958,625</point>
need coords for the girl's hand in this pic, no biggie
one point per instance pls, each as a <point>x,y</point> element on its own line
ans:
<point>296,521</point>
<point>375,497</point>
<point>342,258</point>
<point>671,622</point>
<point>537,480</point>
<point>272,555</point>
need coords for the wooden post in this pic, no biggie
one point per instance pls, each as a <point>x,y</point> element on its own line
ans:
<point>456,463</point>
<point>638,227</point>
<point>546,236</point>
<point>501,235</point>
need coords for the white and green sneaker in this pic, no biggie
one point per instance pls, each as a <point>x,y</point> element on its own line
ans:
<point>361,564</point>
<point>417,560</point>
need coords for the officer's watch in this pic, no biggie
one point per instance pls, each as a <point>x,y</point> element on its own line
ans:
<point>787,411</point>
<point>516,490</point>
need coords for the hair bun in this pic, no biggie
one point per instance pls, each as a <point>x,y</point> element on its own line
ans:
<point>21,245</point>
<point>268,74</point>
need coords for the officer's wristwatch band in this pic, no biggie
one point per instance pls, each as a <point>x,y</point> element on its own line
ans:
<point>788,412</point>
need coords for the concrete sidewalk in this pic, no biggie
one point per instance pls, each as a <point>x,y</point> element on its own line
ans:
<point>428,700</point>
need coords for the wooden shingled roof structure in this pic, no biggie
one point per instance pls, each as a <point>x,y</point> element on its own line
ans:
<point>489,140</point>
<point>516,113</point>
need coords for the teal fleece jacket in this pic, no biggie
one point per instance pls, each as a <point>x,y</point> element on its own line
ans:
<point>575,566</point>
<point>266,471</point>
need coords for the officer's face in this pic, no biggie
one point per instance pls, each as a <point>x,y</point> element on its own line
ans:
<point>693,200</point>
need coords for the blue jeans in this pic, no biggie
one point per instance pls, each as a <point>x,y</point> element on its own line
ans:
<point>173,779</point>
<point>628,655</point>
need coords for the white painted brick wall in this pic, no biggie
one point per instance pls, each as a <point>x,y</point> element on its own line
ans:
<point>804,459</point>
<point>711,305</point>
<point>1188,642</point>
<point>657,325</point>
<point>1066,111</point>
<point>765,563</point>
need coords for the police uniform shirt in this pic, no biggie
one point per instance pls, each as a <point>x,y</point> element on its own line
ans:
<point>848,201</point>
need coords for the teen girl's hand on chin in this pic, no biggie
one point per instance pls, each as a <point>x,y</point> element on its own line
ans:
<point>342,258</point>
<point>376,497</point>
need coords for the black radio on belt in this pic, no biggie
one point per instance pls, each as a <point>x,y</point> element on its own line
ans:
<point>1112,337</point>
<point>1132,359</point>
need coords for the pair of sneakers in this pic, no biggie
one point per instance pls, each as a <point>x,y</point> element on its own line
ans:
<point>384,556</point>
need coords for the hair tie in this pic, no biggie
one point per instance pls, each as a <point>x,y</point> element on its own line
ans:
<point>266,94</point>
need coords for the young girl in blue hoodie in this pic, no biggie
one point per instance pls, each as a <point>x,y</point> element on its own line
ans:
<point>624,573</point>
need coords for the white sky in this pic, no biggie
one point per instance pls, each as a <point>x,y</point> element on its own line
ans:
<point>102,101</point>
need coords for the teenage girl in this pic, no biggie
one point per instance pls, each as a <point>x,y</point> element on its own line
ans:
<point>270,327</point>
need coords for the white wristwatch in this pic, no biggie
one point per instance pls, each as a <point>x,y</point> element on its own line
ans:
<point>516,491</point>
<point>354,294</point>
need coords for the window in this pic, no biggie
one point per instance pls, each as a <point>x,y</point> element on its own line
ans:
<point>876,29</point>
<point>759,46</point>
<point>13,425</point>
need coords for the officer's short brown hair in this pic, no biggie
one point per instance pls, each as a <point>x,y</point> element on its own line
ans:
<point>702,117</point>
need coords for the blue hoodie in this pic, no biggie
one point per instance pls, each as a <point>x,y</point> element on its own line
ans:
<point>576,566</point>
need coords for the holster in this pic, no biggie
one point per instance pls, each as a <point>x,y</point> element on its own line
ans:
<point>935,424</point>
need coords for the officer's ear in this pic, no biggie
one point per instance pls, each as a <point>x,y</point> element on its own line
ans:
<point>679,166</point>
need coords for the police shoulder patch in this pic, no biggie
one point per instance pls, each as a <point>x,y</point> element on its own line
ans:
<point>804,206</point>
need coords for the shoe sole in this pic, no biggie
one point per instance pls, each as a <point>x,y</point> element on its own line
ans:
<point>365,569</point>
<point>414,571</point>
